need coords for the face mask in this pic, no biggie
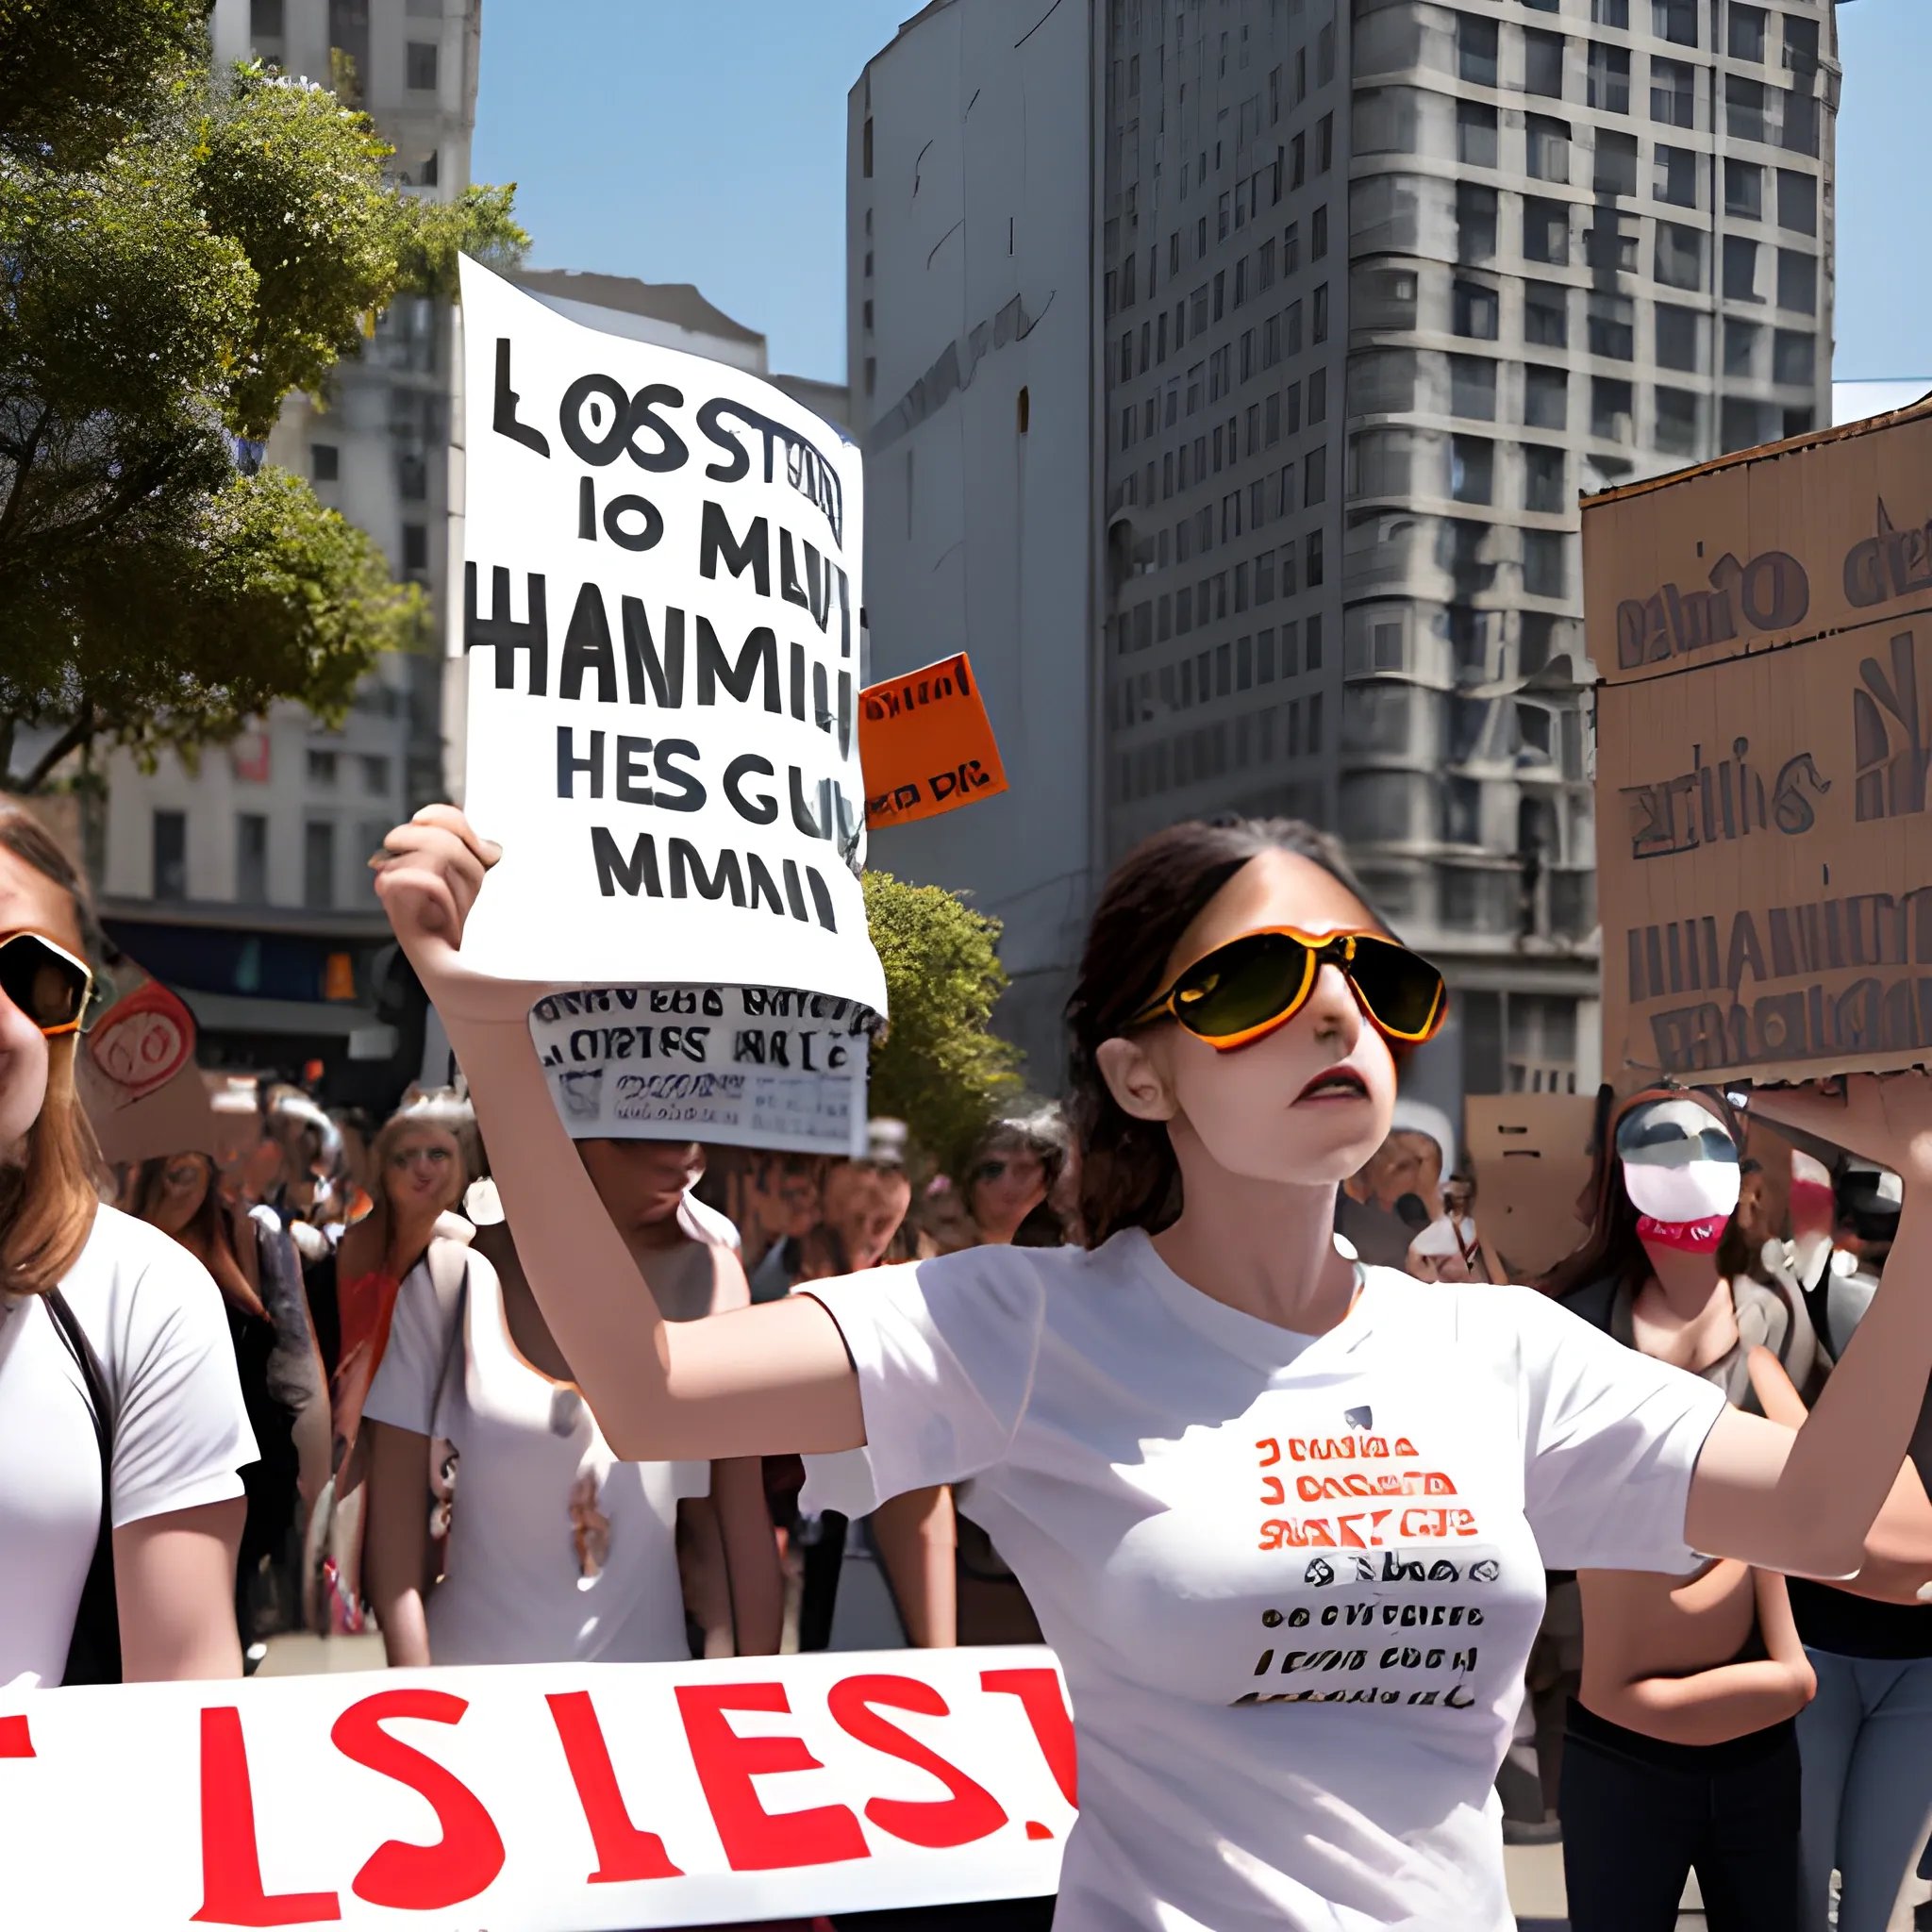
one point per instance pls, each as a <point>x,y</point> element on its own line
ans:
<point>1681,1172</point>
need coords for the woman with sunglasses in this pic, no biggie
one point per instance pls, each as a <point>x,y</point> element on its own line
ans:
<point>114,1355</point>
<point>1285,1519</point>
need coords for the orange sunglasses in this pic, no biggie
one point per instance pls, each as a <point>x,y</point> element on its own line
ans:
<point>45,981</point>
<point>1245,989</point>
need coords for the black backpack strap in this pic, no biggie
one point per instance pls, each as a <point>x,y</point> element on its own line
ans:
<point>93,1655</point>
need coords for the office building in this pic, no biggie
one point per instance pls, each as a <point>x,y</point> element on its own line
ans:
<point>1375,291</point>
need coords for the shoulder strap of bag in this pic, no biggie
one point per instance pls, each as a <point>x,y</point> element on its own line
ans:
<point>94,1653</point>
<point>448,1259</point>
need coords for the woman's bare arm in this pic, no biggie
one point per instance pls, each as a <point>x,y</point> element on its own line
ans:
<point>1632,1667</point>
<point>1803,1504</point>
<point>918,1540</point>
<point>175,1590</point>
<point>751,1554</point>
<point>762,1380</point>
<point>395,1539</point>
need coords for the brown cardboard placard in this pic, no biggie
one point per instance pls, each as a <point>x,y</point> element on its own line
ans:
<point>1761,550</point>
<point>1529,1154</point>
<point>138,1081</point>
<point>1764,863</point>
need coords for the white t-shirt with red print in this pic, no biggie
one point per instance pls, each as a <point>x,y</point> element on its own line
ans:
<point>1293,1579</point>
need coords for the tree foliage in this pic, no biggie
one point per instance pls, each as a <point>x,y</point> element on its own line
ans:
<point>180,250</point>
<point>939,1068</point>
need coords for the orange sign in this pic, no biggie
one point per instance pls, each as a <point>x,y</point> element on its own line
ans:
<point>927,744</point>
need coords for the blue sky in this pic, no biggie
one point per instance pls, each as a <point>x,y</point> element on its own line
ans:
<point>705,143</point>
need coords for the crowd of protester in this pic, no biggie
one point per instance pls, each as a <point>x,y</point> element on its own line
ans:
<point>366,1425</point>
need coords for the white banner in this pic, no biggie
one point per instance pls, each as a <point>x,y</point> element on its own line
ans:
<point>739,1066</point>
<point>661,584</point>
<point>538,1798</point>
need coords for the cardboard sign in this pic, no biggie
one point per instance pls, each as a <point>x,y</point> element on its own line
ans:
<point>1531,1155</point>
<point>538,1798</point>
<point>737,1066</point>
<point>1764,854</point>
<point>137,1079</point>
<point>928,745</point>
<point>662,577</point>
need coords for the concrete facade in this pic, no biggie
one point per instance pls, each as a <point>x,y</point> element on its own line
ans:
<point>1377,291</point>
<point>974,360</point>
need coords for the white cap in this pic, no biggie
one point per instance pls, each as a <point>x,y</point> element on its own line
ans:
<point>1419,1117</point>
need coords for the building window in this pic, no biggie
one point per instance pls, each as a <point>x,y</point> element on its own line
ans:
<point>375,770</point>
<point>318,865</point>
<point>1472,388</point>
<point>251,857</point>
<point>1797,202</point>
<point>322,766</point>
<point>1794,359</point>
<point>1675,177</point>
<point>1325,143</point>
<point>1476,134</point>
<point>1608,246</point>
<point>1474,311</point>
<point>1316,564</point>
<point>415,550</point>
<point>1676,422</point>
<point>1797,281</point>
<point>1545,398</point>
<point>1610,13</point>
<point>1745,108</point>
<point>1546,148</point>
<point>1472,469</point>
<point>1606,77</point>
<point>1609,411</point>
<point>1545,231</point>
<point>1542,63</point>
<point>1476,221</point>
<point>1546,314</point>
<point>265,19</point>
<point>418,61</point>
<point>1678,337</point>
<point>1741,348</point>
<point>1740,268</point>
<point>1614,167</point>
<point>1679,256</point>
<point>412,478</point>
<point>1675,20</point>
<point>1317,318</point>
<point>865,149</point>
<point>1673,93</point>
<point>171,855</point>
<point>1612,328</point>
<point>1476,49</point>
<point>1742,423</point>
<point>324,462</point>
<point>1745,190</point>
<point>1746,39</point>
<point>1543,556</point>
<point>1317,233</point>
<point>1543,479</point>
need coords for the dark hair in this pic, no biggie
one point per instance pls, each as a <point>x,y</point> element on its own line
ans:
<point>1128,1173</point>
<point>47,1204</point>
<point>1612,1252</point>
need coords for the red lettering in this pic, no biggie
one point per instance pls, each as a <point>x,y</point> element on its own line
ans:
<point>1039,1692</point>
<point>1272,1492</point>
<point>624,1854</point>
<point>231,1891</point>
<point>468,1857</point>
<point>970,1813</point>
<point>1274,1449</point>
<point>756,1839</point>
<point>1308,1487</point>
<point>16,1741</point>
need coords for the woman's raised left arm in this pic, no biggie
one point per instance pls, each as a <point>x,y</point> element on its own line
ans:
<point>1803,1504</point>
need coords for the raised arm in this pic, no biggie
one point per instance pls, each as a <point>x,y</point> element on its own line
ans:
<point>759,1381</point>
<point>1804,1502</point>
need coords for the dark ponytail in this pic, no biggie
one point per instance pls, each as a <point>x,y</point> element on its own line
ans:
<point>1128,1173</point>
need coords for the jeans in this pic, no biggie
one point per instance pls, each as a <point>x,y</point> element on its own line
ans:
<point>1866,1739</point>
<point>1638,1816</point>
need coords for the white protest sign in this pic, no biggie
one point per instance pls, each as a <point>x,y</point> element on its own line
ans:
<point>538,1798</point>
<point>661,582</point>
<point>739,1066</point>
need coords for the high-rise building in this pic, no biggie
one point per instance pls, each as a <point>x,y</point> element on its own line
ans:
<point>1371,293</point>
<point>243,881</point>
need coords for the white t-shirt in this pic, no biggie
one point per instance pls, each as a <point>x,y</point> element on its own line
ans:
<point>156,1321</point>
<point>557,1551</point>
<point>1292,1580</point>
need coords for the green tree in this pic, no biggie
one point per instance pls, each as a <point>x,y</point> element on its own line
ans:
<point>181,249</point>
<point>939,1068</point>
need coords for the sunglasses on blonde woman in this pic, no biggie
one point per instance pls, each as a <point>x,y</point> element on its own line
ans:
<point>45,981</point>
<point>1245,989</point>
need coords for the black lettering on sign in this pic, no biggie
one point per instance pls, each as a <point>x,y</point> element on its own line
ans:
<point>501,633</point>
<point>503,418</point>
<point>1771,592</point>
<point>1893,563</point>
<point>807,469</point>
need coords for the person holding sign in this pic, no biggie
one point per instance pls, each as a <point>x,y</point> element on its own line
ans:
<point>1284,1518</point>
<point>122,1426</point>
